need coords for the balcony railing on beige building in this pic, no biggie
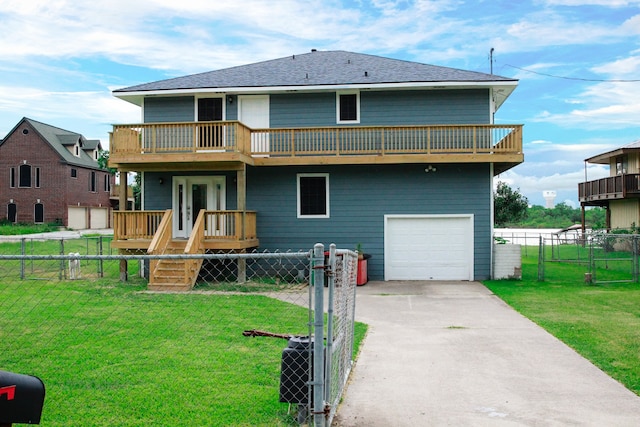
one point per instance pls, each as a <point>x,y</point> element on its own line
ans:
<point>610,188</point>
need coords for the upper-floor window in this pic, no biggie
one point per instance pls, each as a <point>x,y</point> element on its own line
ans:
<point>37,177</point>
<point>25,176</point>
<point>76,150</point>
<point>348,107</point>
<point>313,195</point>
<point>74,173</point>
<point>92,182</point>
<point>12,177</point>
<point>210,109</point>
<point>107,183</point>
<point>621,165</point>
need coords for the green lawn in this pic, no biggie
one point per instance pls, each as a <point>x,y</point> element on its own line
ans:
<point>112,355</point>
<point>8,229</point>
<point>601,322</point>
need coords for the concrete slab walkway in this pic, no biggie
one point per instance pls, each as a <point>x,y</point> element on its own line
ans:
<point>453,354</point>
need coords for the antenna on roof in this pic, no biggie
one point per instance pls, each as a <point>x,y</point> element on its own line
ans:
<point>491,60</point>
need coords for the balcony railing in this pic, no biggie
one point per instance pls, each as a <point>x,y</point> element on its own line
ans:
<point>613,187</point>
<point>278,143</point>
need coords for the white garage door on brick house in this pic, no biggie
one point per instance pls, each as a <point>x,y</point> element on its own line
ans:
<point>77,218</point>
<point>428,247</point>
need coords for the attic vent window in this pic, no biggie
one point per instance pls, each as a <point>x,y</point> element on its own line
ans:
<point>25,131</point>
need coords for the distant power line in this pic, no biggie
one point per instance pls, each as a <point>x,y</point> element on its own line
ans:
<point>576,78</point>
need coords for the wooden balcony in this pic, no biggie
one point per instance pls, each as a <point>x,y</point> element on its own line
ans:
<point>600,191</point>
<point>171,146</point>
<point>222,230</point>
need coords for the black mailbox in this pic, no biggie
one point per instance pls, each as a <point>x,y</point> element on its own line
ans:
<point>21,398</point>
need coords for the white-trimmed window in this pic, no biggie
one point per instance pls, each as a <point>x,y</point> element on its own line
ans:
<point>348,107</point>
<point>313,195</point>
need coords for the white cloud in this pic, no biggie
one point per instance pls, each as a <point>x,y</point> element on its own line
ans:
<point>77,107</point>
<point>604,3</point>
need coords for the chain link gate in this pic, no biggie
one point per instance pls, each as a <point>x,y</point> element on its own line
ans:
<point>48,298</point>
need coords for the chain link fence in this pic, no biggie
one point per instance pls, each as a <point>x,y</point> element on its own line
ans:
<point>111,352</point>
<point>602,257</point>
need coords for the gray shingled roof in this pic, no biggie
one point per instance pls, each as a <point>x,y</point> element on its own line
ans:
<point>316,69</point>
<point>58,138</point>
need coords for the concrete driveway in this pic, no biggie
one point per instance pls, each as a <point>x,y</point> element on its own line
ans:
<point>453,354</point>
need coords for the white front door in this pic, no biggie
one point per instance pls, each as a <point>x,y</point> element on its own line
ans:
<point>253,111</point>
<point>192,194</point>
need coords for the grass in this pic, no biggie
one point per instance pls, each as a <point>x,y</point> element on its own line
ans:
<point>601,322</point>
<point>110,354</point>
<point>8,229</point>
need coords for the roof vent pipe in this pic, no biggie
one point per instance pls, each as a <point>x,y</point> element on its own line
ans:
<point>314,50</point>
<point>366,74</point>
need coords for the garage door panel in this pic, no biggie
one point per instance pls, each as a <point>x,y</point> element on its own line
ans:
<point>429,247</point>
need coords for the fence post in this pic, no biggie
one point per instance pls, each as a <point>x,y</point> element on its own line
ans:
<point>592,263</point>
<point>330,309</point>
<point>540,259</point>
<point>63,271</point>
<point>100,261</point>
<point>23,251</point>
<point>635,259</point>
<point>318,336</point>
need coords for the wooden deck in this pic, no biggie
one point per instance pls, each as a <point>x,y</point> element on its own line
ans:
<point>176,146</point>
<point>221,230</point>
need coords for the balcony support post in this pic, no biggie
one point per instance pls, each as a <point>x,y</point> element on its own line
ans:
<point>122,206</point>
<point>241,182</point>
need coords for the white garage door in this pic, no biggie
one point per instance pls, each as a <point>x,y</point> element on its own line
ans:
<point>99,217</point>
<point>428,247</point>
<point>77,218</point>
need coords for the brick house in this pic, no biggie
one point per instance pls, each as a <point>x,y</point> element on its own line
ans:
<point>52,175</point>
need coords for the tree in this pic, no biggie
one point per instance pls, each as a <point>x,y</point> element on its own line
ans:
<point>103,162</point>
<point>509,205</point>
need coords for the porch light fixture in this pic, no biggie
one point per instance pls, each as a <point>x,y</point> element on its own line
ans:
<point>160,180</point>
<point>430,168</point>
<point>230,99</point>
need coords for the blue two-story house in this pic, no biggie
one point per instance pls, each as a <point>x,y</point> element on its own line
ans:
<point>397,157</point>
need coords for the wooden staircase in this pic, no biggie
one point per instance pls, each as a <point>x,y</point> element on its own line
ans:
<point>175,274</point>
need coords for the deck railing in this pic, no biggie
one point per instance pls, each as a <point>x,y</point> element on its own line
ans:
<point>228,225</point>
<point>136,225</point>
<point>233,136</point>
<point>180,137</point>
<point>232,225</point>
<point>613,187</point>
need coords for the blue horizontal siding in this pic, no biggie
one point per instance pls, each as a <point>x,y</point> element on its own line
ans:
<point>424,107</point>
<point>169,109</point>
<point>360,196</point>
<point>385,108</point>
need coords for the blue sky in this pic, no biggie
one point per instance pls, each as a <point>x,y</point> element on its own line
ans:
<point>578,61</point>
